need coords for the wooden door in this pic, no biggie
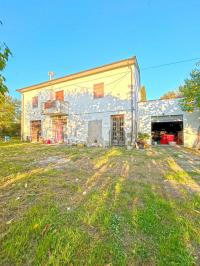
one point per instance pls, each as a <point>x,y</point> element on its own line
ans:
<point>36,130</point>
<point>95,131</point>
<point>58,128</point>
<point>117,130</point>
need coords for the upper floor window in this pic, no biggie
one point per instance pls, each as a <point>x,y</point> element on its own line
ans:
<point>59,95</point>
<point>98,90</point>
<point>35,102</point>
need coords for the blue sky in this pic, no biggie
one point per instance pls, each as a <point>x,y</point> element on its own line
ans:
<point>70,36</point>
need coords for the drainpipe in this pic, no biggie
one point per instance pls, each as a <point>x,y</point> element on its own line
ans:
<point>137,88</point>
<point>133,112</point>
<point>132,108</point>
<point>136,115</point>
<point>22,119</point>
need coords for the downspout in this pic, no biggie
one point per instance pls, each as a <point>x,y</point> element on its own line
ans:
<point>138,86</point>
<point>136,113</point>
<point>22,119</point>
<point>132,108</point>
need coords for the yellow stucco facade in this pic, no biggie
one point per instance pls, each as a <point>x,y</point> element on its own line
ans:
<point>99,106</point>
<point>120,84</point>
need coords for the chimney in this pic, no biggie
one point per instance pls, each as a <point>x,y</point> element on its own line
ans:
<point>51,75</point>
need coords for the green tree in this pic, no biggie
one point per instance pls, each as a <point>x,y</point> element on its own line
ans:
<point>171,95</point>
<point>143,94</point>
<point>4,55</point>
<point>191,92</point>
<point>10,113</point>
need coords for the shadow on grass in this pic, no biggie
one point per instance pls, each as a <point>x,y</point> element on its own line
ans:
<point>121,220</point>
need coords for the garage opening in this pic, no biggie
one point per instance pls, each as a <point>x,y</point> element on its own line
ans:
<point>167,129</point>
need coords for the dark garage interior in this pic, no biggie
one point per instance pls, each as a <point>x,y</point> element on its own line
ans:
<point>165,132</point>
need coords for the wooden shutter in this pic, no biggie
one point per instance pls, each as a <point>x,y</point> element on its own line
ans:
<point>98,90</point>
<point>59,95</point>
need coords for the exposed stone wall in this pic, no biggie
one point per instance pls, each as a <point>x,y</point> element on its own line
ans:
<point>117,100</point>
<point>191,121</point>
<point>82,105</point>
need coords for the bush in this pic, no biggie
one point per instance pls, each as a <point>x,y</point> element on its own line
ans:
<point>143,137</point>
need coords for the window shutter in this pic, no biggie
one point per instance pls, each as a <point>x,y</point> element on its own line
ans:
<point>98,90</point>
<point>59,95</point>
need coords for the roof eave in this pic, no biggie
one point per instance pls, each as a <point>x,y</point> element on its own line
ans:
<point>92,71</point>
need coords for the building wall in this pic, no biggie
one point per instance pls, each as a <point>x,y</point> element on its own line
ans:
<point>191,121</point>
<point>82,106</point>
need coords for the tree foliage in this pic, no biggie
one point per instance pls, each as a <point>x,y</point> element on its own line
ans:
<point>9,116</point>
<point>143,95</point>
<point>191,92</point>
<point>171,95</point>
<point>4,55</point>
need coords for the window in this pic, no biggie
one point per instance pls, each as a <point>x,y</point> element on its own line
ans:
<point>35,102</point>
<point>59,95</point>
<point>98,90</point>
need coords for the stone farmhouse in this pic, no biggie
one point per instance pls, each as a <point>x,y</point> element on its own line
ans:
<point>101,106</point>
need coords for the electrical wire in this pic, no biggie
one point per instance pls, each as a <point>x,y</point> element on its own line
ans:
<point>171,63</point>
<point>84,81</point>
<point>115,82</point>
<point>107,84</point>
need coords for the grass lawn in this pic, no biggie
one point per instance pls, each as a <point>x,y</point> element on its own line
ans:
<point>91,206</point>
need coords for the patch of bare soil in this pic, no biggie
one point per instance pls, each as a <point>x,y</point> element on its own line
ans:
<point>57,161</point>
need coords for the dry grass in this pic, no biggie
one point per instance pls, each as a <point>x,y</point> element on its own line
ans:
<point>91,206</point>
